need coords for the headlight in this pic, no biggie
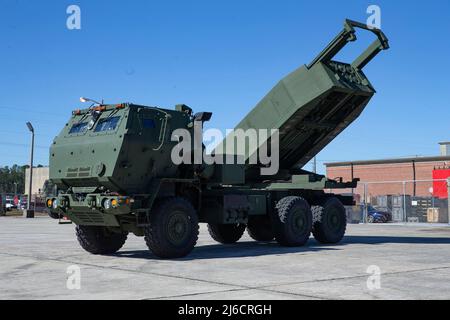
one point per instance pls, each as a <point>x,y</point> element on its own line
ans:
<point>55,204</point>
<point>107,204</point>
<point>110,203</point>
<point>114,203</point>
<point>49,203</point>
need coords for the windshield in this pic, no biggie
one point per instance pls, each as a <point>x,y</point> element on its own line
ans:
<point>107,124</point>
<point>369,208</point>
<point>78,127</point>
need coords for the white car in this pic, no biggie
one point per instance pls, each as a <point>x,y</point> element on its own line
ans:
<point>10,205</point>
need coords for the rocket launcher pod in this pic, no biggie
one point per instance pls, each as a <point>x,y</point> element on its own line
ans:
<point>313,104</point>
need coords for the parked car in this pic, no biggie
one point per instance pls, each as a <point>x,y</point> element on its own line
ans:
<point>10,204</point>
<point>375,215</point>
<point>23,200</point>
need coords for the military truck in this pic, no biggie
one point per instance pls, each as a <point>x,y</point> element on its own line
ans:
<point>113,168</point>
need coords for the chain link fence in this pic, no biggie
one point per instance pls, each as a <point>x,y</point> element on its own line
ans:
<point>11,204</point>
<point>418,201</point>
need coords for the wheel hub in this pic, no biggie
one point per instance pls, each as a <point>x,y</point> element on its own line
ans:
<point>299,222</point>
<point>333,220</point>
<point>178,226</point>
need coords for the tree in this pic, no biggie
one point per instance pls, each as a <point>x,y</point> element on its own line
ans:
<point>10,176</point>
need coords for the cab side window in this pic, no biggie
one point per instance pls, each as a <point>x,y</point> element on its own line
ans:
<point>149,123</point>
<point>150,126</point>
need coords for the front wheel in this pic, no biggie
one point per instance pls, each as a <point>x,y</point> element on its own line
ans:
<point>100,240</point>
<point>54,215</point>
<point>173,229</point>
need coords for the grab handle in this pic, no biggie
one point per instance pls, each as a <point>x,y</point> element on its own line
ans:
<point>348,35</point>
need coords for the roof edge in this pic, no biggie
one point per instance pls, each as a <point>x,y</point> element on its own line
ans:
<point>388,161</point>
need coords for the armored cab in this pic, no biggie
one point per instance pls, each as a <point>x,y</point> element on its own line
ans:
<point>119,148</point>
<point>115,172</point>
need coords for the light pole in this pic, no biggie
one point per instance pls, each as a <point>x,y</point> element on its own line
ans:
<point>84,99</point>
<point>29,212</point>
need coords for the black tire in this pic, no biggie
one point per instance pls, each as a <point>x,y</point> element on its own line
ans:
<point>100,240</point>
<point>173,229</point>
<point>54,215</point>
<point>226,233</point>
<point>259,228</point>
<point>330,221</point>
<point>292,221</point>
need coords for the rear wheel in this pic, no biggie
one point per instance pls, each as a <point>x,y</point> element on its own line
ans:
<point>292,222</point>
<point>330,221</point>
<point>173,229</point>
<point>259,228</point>
<point>100,240</point>
<point>226,233</point>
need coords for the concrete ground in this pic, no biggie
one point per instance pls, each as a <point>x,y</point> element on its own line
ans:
<point>414,262</point>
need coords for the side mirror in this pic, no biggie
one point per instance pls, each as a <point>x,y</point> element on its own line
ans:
<point>203,116</point>
<point>183,108</point>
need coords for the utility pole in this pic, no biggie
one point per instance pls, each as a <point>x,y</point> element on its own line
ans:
<point>29,213</point>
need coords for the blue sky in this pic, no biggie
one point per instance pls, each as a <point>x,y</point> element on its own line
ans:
<point>219,56</point>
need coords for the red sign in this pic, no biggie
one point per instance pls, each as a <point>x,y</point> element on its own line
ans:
<point>440,189</point>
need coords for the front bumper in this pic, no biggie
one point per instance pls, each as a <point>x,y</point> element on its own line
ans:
<point>93,209</point>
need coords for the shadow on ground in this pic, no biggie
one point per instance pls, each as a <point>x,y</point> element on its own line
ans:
<point>237,250</point>
<point>255,249</point>
<point>391,239</point>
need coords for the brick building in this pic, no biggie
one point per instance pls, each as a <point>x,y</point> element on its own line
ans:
<point>386,176</point>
